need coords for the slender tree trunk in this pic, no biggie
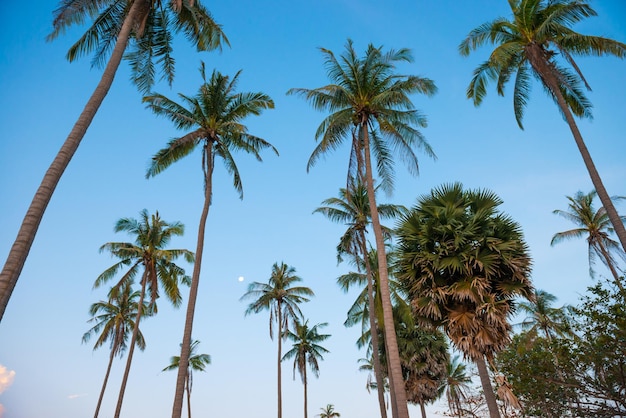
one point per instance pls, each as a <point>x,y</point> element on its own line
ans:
<point>380,385</point>
<point>423,409</point>
<point>183,363</point>
<point>131,349</point>
<point>609,263</point>
<point>26,234</point>
<point>104,384</point>
<point>305,394</point>
<point>279,368</point>
<point>545,68</point>
<point>490,396</point>
<point>393,356</point>
<point>188,384</point>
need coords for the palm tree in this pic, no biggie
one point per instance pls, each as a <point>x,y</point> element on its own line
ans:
<point>541,316</point>
<point>214,116</point>
<point>352,208</point>
<point>329,412</point>
<point>156,264</point>
<point>306,349</point>
<point>463,263</point>
<point>141,31</point>
<point>114,322</point>
<point>281,298</point>
<point>596,227</point>
<point>456,385</point>
<point>370,105</point>
<point>529,45</point>
<point>197,362</point>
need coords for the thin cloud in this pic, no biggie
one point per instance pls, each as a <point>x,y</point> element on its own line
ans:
<point>76,396</point>
<point>6,378</point>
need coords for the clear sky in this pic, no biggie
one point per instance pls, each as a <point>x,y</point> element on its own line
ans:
<point>275,44</point>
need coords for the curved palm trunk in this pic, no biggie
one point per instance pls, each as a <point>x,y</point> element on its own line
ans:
<point>380,387</point>
<point>131,349</point>
<point>280,346</point>
<point>393,356</point>
<point>305,394</point>
<point>104,384</point>
<point>490,396</point>
<point>26,234</point>
<point>544,68</point>
<point>183,363</point>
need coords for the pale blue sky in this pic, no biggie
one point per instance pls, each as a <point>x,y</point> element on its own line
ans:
<point>275,44</point>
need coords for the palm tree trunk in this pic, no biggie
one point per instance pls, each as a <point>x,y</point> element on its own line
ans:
<point>106,379</point>
<point>490,396</point>
<point>609,263</point>
<point>545,69</point>
<point>131,349</point>
<point>305,394</point>
<point>393,356</point>
<point>183,363</point>
<point>423,409</point>
<point>279,380</point>
<point>26,234</point>
<point>380,387</point>
<point>188,390</point>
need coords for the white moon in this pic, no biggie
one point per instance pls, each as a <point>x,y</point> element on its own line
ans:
<point>240,278</point>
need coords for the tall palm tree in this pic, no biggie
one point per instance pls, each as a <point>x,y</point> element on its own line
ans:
<point>463,263</point>
<point>147,255</point>
<point>143,30</point>
<point>370,105</point>
<point>542,317</point>
<point>214,118</point>
<point>114,322</point>
<point>306,349</point>
<point>596,227</point>
<point>329,412</point>
<point>281,298</point>
<point>456,385</point>
<point>197,362</point>
<point>538,41</point>
<point>352,209</point>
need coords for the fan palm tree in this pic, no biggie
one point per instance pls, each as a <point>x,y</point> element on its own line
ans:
<point>306,349</point>
<point>596,227</point>
<point>114,322</point>
<point>214,117</point>
<point>281,298</point>
<point>538,42</point>
<point>542,317</point>
<point>329,412</point>
<point>352,209</point>
<point>149,257</point>
<point>456,385</point>
<point>141,29</point>
<point>463,263</point>
<point>370,105</point>
<point>197,362</point>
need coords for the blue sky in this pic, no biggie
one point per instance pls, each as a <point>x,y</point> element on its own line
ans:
<point>275,43</point>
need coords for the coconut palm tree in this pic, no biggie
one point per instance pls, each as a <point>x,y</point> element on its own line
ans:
<point>114,322</point>
<point>141,31</point>
<point>463,263</point>
<point>306,349</point>
<point>542,317</point>
<point>282,299</point>
<point>538,42</point>
<point>197,362</point>
<point>329,412</point>
<point>352,209</point>
<point>214,119</point>
<point>595,226</point>
<point>149,257</point>
<point>456,385</point>
<point>370,105</point>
